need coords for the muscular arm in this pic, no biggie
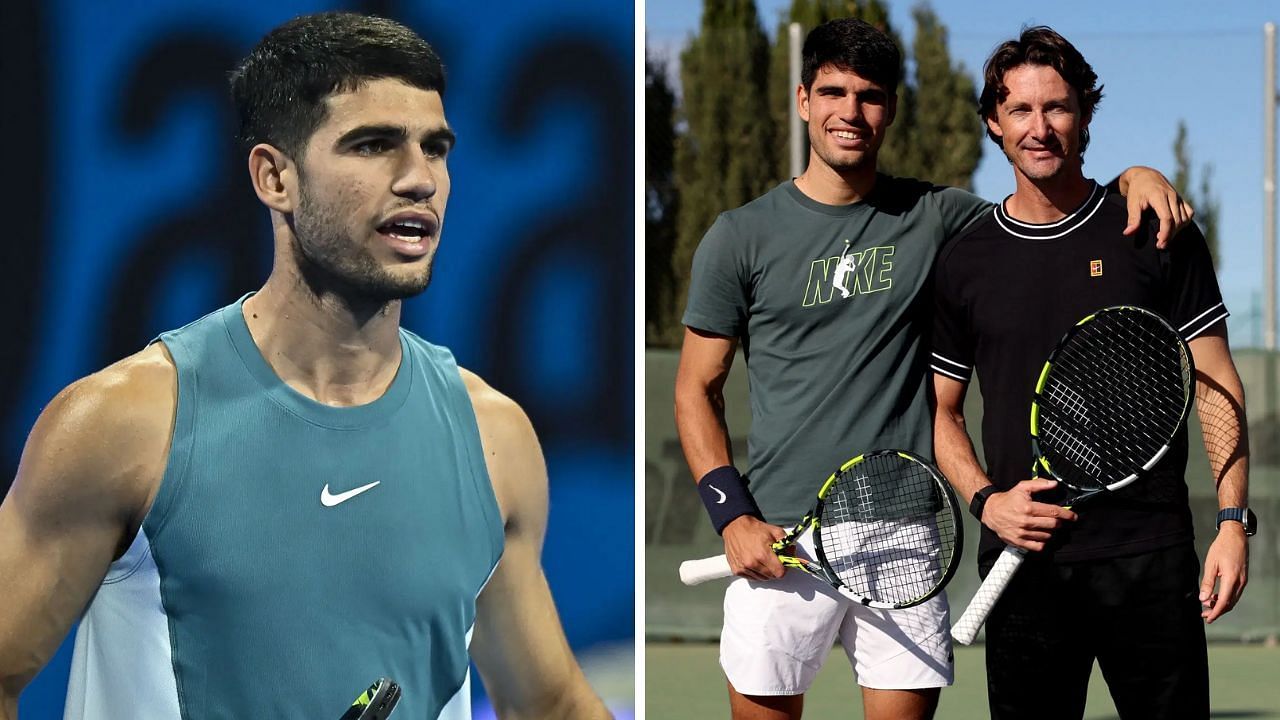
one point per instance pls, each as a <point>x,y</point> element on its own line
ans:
<point>1013,515</point>
<point>518,644</point>
<point>705,360</point>
<point>86,476</point>
<point>1220,405</point>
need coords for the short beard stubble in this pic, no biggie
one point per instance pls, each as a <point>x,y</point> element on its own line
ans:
<point>332,262</point>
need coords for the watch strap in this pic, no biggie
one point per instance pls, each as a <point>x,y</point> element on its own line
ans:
<point>1244,516</point>
<point>979,501</point>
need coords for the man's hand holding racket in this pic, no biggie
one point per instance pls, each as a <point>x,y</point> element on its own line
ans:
<point>885,531</point>
<point>1020,520</point>
<point>1107,406</point>
<point>748,543</point>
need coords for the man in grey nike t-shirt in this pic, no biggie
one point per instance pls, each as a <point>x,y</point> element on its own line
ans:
<point>824,281</point>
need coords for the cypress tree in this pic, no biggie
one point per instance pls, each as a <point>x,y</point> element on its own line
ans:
<point>937,135</point>
<point>661,201</point>
<point>945,131</point>
<point>725,155</point>
<point>1207,207</point>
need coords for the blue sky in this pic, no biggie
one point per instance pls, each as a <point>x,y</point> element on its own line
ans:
<point>1159,62</point>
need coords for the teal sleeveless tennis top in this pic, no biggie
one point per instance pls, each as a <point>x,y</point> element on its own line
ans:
<point>296,552</point>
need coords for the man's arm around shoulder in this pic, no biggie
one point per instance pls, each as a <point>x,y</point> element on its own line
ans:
<point>88,472</point>
<point>519,645</point>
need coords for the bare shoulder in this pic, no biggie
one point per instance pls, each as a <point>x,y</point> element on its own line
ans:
<point>105,436</point>
<point>497,414</point>
<point>87,474</point>
<point>512,453</point>
<point>122,402</point>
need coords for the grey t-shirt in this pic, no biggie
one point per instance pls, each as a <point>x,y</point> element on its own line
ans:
<point>831,304</point>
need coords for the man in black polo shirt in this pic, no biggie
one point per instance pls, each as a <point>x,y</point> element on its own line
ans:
<point>1119,582</point>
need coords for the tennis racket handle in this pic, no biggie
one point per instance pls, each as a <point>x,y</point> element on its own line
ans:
<point>966,628</point>
<point>696,572</point>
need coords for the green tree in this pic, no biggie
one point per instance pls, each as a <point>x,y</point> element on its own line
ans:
<point>941,139</point>
<point>725,155</point>
<point>662,202</point>
<point>1208,208</point>
<point>936,135</point>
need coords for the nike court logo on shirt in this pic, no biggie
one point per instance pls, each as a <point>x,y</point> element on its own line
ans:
<point>329,500</point>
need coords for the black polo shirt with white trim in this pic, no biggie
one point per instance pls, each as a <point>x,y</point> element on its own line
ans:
<point>1007,291</point>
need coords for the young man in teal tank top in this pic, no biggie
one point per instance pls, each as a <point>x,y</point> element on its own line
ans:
<point>265,510</point>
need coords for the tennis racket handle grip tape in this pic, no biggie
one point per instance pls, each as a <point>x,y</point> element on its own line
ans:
<point>696,572</point>
<point>966,628</point>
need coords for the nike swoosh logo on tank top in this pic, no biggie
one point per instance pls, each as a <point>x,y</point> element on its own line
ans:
<point>329,500</point>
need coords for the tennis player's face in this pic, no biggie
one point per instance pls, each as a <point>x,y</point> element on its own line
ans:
<point>847,116</point>
<point>372,190</point>
<point>1039,122</point>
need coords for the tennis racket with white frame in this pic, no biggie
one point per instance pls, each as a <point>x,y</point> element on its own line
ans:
<point>886,531</point>
<point>1108,404</point>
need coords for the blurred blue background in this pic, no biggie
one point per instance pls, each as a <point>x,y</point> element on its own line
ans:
<point>129,212</point>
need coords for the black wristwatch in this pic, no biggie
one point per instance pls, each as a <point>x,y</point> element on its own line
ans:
<point>1243,516</point>
<point>979,501</point>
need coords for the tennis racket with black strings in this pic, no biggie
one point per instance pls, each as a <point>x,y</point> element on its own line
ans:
<point>1107,405</point>
<point>886,531</point>
<point>376,703</point>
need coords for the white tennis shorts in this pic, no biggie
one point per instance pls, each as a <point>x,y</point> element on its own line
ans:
<point>778,633</point>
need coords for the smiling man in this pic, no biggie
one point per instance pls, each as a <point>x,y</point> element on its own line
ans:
<point>1118,582</point>
<point>831,374</point>
<point>265,510</point>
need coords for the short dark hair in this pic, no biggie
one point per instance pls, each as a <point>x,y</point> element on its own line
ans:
<point>854,46</point>
<point>1039,46</point>
<point>279,89</point>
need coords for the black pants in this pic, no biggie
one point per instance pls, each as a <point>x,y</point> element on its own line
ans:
<point>1139,616</point>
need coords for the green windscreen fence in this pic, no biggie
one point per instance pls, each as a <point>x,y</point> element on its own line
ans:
<point>677,529</point>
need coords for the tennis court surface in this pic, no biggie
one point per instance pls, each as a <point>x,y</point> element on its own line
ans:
<point>684,682</point>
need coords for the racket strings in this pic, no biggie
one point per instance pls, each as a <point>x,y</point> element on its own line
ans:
<point>887,529</point>
<point>1114,396</point>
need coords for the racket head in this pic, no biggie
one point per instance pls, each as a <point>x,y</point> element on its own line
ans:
<point>887,529</point>
<point>1111,398</point>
